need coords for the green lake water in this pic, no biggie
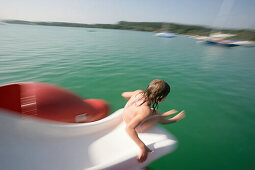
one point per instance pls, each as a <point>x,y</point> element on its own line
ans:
<point>214,85</point>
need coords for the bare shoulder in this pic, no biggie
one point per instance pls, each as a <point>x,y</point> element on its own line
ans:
<point>128,95</point>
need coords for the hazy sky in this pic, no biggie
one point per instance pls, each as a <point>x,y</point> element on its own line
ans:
<point>217,13</point>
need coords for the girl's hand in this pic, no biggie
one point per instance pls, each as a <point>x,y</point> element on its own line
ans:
<point>144,153</point>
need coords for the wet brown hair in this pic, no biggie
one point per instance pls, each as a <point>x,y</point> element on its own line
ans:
<point>155,92</point>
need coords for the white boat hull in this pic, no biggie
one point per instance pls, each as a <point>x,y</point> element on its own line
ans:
<point>30,144</point>
<point>165,35</point>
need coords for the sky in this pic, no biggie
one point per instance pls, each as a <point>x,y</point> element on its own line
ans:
<point>214,13</point>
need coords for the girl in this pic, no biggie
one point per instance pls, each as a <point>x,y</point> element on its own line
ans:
<point>139,116</point>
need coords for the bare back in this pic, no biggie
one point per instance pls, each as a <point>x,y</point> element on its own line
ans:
<point>136,107</point>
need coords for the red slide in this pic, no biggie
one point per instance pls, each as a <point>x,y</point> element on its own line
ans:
<point>46,101</point>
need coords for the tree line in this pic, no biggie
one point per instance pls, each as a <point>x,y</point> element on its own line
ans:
<point>243,34</point>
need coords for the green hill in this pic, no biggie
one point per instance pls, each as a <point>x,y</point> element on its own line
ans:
<point>243,34</point>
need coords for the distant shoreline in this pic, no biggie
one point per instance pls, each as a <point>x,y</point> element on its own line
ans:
<point>192,30</point>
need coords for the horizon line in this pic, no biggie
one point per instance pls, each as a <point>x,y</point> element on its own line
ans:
<point>206,26</point>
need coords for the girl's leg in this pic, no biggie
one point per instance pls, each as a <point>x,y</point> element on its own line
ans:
<point>146,125</point>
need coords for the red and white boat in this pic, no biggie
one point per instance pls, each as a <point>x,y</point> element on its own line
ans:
<point>45,127</point>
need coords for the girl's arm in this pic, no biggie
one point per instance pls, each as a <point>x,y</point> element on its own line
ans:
<point>164,120</point>
<point>161,118</point>
<point>130,129</point>
<point>127,95</point>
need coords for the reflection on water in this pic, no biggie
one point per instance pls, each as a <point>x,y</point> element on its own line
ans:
<point>211,54</point>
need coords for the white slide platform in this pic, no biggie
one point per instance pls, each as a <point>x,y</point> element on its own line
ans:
<point>32,144</point>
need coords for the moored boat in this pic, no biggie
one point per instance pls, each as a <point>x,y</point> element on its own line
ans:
<point>245,43</point>
<point>226,43</point>
<point>165,35</point>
